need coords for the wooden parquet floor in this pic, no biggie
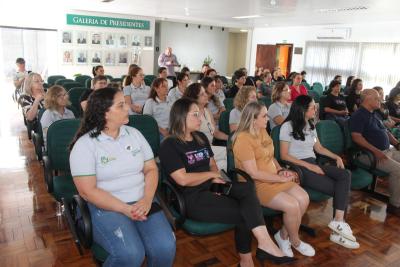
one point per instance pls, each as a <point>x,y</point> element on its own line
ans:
<point>32,235</point>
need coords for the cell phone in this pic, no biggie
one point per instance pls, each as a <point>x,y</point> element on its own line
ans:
<point>223,189</point>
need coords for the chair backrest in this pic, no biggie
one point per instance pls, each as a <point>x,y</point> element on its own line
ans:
<point>275,138</point>
<point>148,79</point>
<point>63,81</point>
<point>306,85</point>
<point>109,77</point>
<point>318,88</point>
<point>266,100</point>
<point>223,123</point>
<point>228,103</point>
<point>348,141</point>
<point>116,80</point>
<point>52,79</point>
<point>330,136</point>
<point>148,126</point>
<point>70,85</point>
<point>322,105</point>
<point>88,83</point>
<point>82,79</point>
<point>59,136</point>
<point>75,95</point>
<point>314,95</point>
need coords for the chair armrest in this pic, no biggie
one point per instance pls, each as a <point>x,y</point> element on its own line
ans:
<point>83,223</point>
<point>371,157</point>
<point>323,159</point>
<point>171,219</point>
<point>180,201</point>
<point>293,167</point>
<point>48,175</point>
<point>69,213</point>
<point>232,174</point>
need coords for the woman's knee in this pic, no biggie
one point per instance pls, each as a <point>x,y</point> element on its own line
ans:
<point>127,256</point>
<point>291,205</point>
<point>162,252</point>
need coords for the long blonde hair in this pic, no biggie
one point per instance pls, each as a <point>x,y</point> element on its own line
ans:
<point>242,97</point>
<point>249,114</point>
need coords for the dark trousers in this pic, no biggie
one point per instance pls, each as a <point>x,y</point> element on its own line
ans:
<point>241,208</point>
<point>336,183</point>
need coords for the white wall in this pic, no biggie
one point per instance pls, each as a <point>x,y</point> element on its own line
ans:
<point>368,32</point>
<point>191,45</point>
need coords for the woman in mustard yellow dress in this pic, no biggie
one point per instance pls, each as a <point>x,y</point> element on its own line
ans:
<point>276,187</point>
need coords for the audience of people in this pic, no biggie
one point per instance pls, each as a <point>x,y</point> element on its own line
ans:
<point>245,95</point>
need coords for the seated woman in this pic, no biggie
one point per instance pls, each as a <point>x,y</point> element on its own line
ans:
<point>297,89</point>
<point>277,75</point>
<point>32,99</point>
<point>196,92</point>
<point>214,104</point>
<point>383,113</point>
<point>115,172</point>
<point>158,106</point>
<point>136,92</point>
<point>240,80</point>
<point>264,88</point>
<point>298,141</point>
<point>279,109</point>
<point>177,92</point>
<point>55,102</point>
<point>219,88</point>
<point>335,104</point>
<point>245,95</point>
<point>349,80</point>
<point>99,82</point>
<point>353,100</point>
<point>187,158</point>
<point>276,187</point>
<point>393,104</point>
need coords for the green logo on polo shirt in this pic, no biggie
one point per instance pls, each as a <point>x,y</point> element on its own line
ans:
<point>135,151</point>
<point>105,160</point>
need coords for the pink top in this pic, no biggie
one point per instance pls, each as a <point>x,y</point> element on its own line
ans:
<point>294,93</point>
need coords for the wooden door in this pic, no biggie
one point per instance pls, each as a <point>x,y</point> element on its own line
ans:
<point>266,56</point>
<point>284,57</point>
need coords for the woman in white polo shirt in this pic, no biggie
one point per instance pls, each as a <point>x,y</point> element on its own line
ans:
<point>279,109</point>
<point>135,91</point>
<point>114,170</point>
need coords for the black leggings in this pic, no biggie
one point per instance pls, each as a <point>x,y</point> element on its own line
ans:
<point>241,208</point>
<point>336,183</point>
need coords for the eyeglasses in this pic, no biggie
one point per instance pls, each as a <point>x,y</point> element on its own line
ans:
<point>62,95</point>
<point>195,114</point>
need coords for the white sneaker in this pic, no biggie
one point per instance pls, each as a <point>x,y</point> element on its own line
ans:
<point>338,239</point>
<point>284,245</point>
<point>342,229</point>
<point>305,249</point>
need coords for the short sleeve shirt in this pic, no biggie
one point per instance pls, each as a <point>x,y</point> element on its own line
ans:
<point>277,109</point>
<point>18,75</point>
<point>173,95</point>
<point>159,111</point>
<point>26,102</point>
<point>298,148</point>
<point>116,163</point>
<point>351,101</point>
<point>234,116</point>
<point>371,127</point>
<point>50,116</point>
<point>138,95</point>
<point>336,102</point>
<point>294,93</point>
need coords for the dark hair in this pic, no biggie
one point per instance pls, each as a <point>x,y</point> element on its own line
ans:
<point>205,82</point>
<point>292,75</point>
<point>348,81</point>
<point>185,69</point>
<point>353,86</point>
<point>393,94</point>
<point>209,71</point>
<point>177,121</point>
<point>96,68</point>
<point>192,92</point>
<point>377,88</point>
<point>337,76</point>
<point>133,71</point>
<point>161,69</point>
<point>20,60</point>
<point>238,74</point>
<point>297,116</point>
<point>154,85</point>
<point>99,78</point>
<point>180,76</point>
<point>94,117</point>
<point>332,84</point>
<point>303,72</point>
<point>205,64</point>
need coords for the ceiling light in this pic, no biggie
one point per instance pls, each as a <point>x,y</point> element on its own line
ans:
<point>107,1</point>
<point>243,30</point>
<point>247,17</point>
<point>342,9</point>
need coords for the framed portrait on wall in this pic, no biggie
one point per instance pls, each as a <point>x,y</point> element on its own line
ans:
<point>95,57</point>
<point>96,38</point>
<point>148,41</point>
<point>135,59</point>
<point>66,37</point>
<point>122,41</point>
<point>123,58</point>
<point>68,57</point>
<point>110,39</point>
<point>81,57</point>
<point>135,40</point>
<point>109,58</point>
<point>81,37</point>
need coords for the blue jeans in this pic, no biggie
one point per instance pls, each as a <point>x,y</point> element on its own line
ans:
<point>128,241</point>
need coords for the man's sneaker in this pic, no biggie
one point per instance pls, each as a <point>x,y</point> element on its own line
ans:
<point>343,229</point>
<point>284,245</point>
<point>305,249</point>
<point>338,239</point>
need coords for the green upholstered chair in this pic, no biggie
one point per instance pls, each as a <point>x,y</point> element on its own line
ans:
<point>74,97</point>
<point>228,103</point>
<point>37,137</point>
<point>62,81</point>
<point>148,126</point>
<point>88,83</point>
<point>331,137</point>
<point>82,79</point>
<point>266,100</point>
<point>314,95</point>
<point>318,88</point>
<point>322,105</point>
<point>109,77</point>
<point>69,85</point>
<point>52,79</point>
<point>223,123</point>
<point>148,79</point>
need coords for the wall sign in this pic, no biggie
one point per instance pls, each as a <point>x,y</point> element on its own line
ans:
<point>95,21</point>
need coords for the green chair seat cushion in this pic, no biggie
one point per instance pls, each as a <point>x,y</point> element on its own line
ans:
<point>360,178</point>
<point>204,228</point>
<point>376,172</point>
<point>99,252</point>
<point>267,212</point>
<point>63,187</point>
<point>315,195</point>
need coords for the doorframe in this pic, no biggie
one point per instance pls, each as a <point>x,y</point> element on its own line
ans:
<point>290,55</point>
